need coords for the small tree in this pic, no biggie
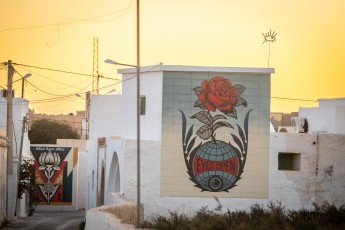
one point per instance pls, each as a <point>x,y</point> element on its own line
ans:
<point>27,184</point>
<point>46,131</point>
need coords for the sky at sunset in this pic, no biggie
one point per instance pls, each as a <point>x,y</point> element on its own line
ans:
<point>308,55</point>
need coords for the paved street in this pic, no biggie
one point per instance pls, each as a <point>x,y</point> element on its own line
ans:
<point>49,221</point>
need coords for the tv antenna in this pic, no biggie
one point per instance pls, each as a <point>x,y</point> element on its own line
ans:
<point>269,37</point>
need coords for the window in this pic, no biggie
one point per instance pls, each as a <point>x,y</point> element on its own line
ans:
<point>93,179</point>
<point>289,161</point>
<point>142,105</point>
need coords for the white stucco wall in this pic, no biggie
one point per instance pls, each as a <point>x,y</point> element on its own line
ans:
<point>20,109</point>
<point>112,157</point>
<point>321,175</point>
<point>294,189</point>
<point>150,123</point>
<point>105,115</point>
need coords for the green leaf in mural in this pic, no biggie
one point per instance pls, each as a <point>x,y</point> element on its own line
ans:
<point>241,101</point>
<point>221,124</point>
<point>204,132</point>
<point>197,90</point>
<point>232,112</point>
<point>239,89</point>
<point>217,117</point>
<point>199,104</point>
<point>204,117</point>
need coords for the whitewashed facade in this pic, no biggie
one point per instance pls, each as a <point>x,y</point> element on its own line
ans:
<point>20,109</point>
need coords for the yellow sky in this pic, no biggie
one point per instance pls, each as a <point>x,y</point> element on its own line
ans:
<point>308,56</point>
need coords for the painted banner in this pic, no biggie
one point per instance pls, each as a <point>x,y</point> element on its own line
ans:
<point>54,173</point>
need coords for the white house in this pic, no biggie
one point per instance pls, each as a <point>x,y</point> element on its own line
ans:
<point>204,134</point>
<point>329,117</point>
<point>20,110</point>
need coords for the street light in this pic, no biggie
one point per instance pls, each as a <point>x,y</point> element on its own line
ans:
<point>23,79</point>
<point>109,61</point>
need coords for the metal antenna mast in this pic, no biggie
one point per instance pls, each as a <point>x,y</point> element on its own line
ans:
<point>95,85</point>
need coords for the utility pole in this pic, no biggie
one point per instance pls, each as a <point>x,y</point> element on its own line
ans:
<point>9,134</point>
<point>20,162</point>
<point>95,67</point>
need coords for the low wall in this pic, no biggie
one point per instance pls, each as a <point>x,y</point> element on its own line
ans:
<point>109,217</point>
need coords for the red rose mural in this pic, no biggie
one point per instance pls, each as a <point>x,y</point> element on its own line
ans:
<point>220,94</point>
<point>216,165</point>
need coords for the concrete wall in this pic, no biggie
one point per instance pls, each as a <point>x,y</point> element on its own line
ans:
<point>3,173</point>
<point>321,174</point>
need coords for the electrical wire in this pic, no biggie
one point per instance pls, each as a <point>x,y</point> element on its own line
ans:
<point>64,71</point>
<point>294,99</point>
<point>73,20</point>
<point>59,82</point>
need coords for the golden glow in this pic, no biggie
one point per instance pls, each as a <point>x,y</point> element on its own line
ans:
<point>308,55</point>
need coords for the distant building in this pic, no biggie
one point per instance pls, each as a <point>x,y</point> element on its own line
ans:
<point>329,117</point>
<point>281,119</point>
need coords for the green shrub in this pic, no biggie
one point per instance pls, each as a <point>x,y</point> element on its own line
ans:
<point>274,216</point>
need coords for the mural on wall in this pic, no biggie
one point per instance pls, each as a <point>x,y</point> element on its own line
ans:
<point>216,165</point>
<point>52,176</point>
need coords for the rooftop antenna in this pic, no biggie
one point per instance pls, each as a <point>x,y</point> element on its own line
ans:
<point>270,38</point>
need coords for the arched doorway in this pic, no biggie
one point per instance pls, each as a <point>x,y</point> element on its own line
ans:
<point>114,175</point>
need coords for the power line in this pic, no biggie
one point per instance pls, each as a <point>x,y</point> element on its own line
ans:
<point>59,82</point>
<point>56,70</point>
<point>293,99</point>
<point>74,20</point>
<point>64,71</point>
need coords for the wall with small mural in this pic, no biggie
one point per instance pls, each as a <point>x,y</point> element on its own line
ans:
<point>215,134</point>
<point>56,173</point>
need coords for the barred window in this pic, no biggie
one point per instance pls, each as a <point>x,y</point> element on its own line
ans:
<point>289,161</point>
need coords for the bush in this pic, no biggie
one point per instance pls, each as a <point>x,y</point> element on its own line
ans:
<point>27,183</point>
<point>274,216</point>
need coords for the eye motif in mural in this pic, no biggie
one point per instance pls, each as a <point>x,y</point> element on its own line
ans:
<point>216,165</point>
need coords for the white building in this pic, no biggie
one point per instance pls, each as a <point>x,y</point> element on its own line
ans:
<point>167,92</point>
<point>329,117</point>
<point>20,110</point>
<point>295,169</point>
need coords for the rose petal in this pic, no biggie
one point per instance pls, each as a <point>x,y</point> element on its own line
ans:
<point>216,78</point>
<point>204,86</point>
<point>213,99</point>
<point>224,107</point>
<point>210,106</point>
<point>202,96</point>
